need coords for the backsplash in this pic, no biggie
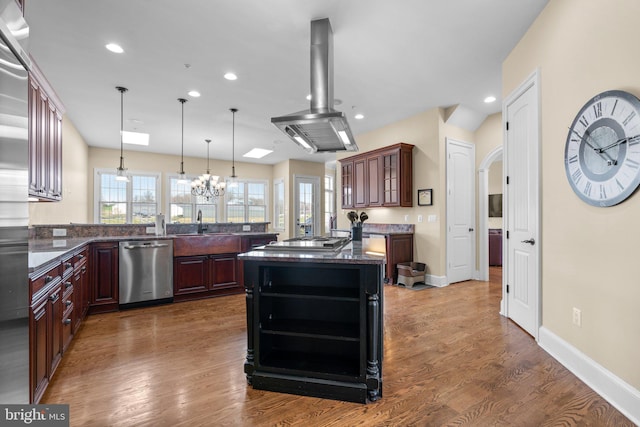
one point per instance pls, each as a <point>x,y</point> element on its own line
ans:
<point>106,230</point>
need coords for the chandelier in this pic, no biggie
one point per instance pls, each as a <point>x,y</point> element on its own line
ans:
<point>207,185</point>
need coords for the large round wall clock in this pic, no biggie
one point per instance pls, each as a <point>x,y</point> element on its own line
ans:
<point>602,153</point>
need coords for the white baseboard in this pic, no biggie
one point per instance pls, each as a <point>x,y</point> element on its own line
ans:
<point>624,397</point>
<point>438,281</point>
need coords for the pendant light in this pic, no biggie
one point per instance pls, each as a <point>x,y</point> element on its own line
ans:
<point>233,178</point>
<point>182,178</point>
<point>207,185</point>
<point>121,174</point>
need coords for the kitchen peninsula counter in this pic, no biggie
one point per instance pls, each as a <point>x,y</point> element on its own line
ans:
<point>314,322</point>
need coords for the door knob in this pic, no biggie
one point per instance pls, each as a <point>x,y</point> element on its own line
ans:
<point>530,241</point>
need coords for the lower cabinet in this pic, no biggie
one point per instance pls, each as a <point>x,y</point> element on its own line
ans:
<point>202,276</point>
<point>315,329</point>
<point>399,249</point>
<point>104,277</point>
<point>45,331</point>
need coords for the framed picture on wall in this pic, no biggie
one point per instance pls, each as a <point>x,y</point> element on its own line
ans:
<point>424,197</point>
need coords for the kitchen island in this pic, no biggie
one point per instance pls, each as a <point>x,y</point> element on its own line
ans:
<point>314,322</point>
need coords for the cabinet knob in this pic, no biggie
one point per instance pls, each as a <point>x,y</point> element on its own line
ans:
<point>66,321</point>
<point>80,256</point>
<point>48,278</point>
<point>67,265</point>
<point>67,285</point>
<point>54,297</point>
<point>68,303</point>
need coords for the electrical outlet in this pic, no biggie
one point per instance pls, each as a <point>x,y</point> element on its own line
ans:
<point>419,218</point>
<point>432,218</point>
<point>406,218</point>
<point>577,316</point>
<point>246,227</point>
<point>151,230</point>
<point>59,232</point>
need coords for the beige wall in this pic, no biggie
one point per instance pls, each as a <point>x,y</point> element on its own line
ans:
<point>73,207</point>
<point>423,131</point>
<point>589,254</point>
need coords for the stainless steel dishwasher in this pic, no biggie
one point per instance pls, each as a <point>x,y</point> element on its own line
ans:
<point>146,271</point>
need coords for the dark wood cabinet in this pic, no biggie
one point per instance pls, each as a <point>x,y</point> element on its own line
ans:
<point>201,276</point>
<point>347,183</point>
<point>104,277</point>
<point>39,361</point>
<point>45,139</point>
<point>81,298</point>
<point>399,249</point>
<point>190,274</point>
<point>45,328</point>
<point>360,183</point>
<point>315,328</point>
<point>382,177</point>
<point>374,181</point>
<point>207,266</point>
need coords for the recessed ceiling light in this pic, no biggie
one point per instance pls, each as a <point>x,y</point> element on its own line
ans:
<point>359,116</point>
<point>257,153</point>
<point>135,138</point>
<point>490,99</point>
<point>194,93</point>
<point>115,48</point>
<point>230,76</point>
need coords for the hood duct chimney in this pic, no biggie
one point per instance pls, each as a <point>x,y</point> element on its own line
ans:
<point>321,128</point>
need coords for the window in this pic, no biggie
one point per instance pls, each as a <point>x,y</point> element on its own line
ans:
<point>278,202</point>
<point>246,201</point>
<point>184,207</point>
<point>329,203</point>
<point>119,202</point>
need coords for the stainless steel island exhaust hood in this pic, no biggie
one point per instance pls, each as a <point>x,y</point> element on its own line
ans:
<point>320,128</point>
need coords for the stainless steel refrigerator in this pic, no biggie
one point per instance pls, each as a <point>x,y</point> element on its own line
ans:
<point>14,211</point>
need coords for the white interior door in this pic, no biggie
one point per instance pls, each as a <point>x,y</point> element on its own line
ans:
<point>461,216</point>
<point>306,205</point>
<point>522,216</point>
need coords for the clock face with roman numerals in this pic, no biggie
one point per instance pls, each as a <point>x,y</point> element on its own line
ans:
<point>602,153</point>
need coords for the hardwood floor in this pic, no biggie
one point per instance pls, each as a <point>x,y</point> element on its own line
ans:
<point>449,359</point>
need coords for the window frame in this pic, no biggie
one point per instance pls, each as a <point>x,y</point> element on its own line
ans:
<point>276,183</point>
<point>264,182</point>
<point>167,195</point>
<point>97,192</point>
<point>329,196</point>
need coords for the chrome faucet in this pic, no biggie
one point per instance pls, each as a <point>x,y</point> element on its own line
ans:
<point>199,219</point>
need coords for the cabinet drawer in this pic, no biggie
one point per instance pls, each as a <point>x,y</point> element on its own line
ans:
<point>66,265</point>
<point>39,283</point>
<point>80,257</point>
<point>67,298</point>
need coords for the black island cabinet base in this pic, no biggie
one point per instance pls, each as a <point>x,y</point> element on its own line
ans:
<point>315,328</point>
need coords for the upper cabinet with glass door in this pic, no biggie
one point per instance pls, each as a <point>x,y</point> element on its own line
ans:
<point>378,178</point>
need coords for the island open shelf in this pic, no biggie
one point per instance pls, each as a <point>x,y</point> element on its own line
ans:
<point>314,327</point>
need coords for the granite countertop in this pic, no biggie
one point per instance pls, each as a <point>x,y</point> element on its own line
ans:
<point>45,252</point>
<point>352,253</point>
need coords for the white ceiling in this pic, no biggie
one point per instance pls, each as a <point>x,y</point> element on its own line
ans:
<point>392,59</point>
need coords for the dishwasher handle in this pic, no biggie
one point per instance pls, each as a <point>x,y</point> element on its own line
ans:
<point>159,245</point>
